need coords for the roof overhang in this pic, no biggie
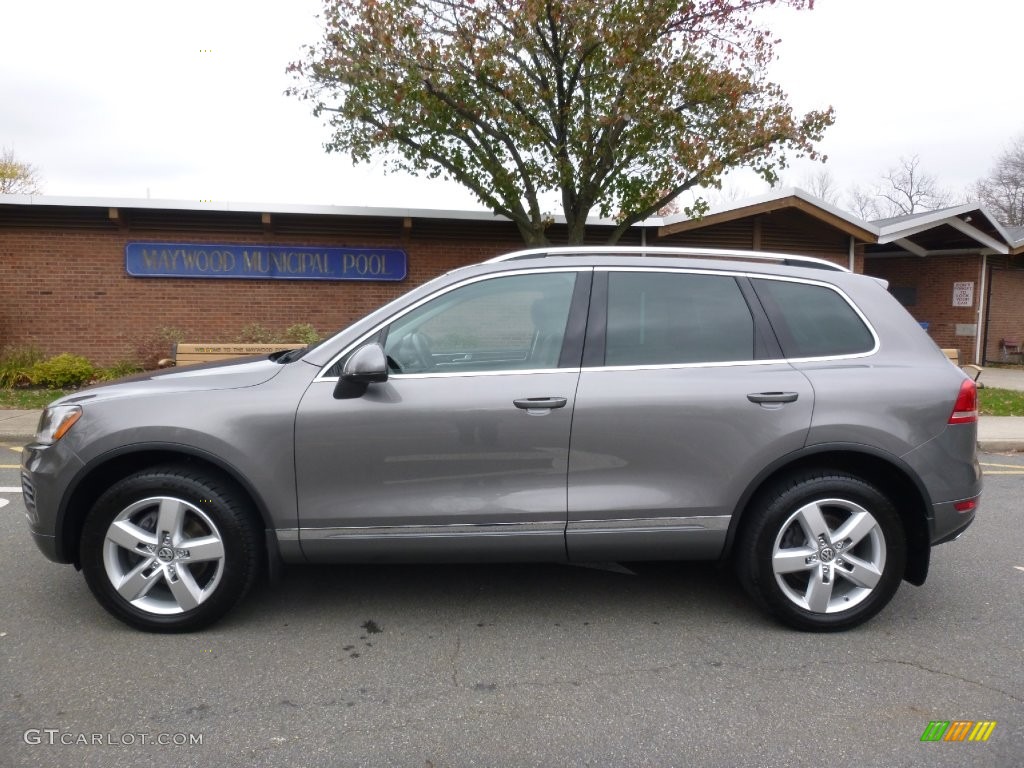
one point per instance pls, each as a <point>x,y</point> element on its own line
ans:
<point>784,199</point>
<point>967,228</point>
<point>970,228</point>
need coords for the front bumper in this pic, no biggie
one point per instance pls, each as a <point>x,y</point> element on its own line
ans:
<point>47,471</point>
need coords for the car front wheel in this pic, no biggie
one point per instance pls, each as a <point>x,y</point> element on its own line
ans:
<point>169,549</point>
<point>823,551</point>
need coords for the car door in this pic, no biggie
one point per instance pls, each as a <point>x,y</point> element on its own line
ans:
<point>682,400</point>
<point>462,453</point>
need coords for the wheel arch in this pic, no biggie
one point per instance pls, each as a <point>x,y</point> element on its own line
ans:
<point>100,473</point>
<point>892,477</point>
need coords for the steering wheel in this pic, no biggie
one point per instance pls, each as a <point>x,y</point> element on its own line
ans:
<point>421,349</point>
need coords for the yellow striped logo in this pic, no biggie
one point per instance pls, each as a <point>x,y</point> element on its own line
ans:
<point>982,730</point>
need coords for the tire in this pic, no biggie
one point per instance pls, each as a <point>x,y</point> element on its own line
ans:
<point>170,549</point>
<point>824,551</point>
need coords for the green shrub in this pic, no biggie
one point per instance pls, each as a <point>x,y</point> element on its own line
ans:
<point>63,371</point>
<point>119,370</point>
<point>254,333</point>
<point>170,334</point>
<point>16,365</point>
<point>303,333</point>
<point>153,347</point>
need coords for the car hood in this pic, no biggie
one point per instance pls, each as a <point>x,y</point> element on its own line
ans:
<point>233,374</point>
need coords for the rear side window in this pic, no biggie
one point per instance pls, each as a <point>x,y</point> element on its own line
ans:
<point>661,318</point>
<point>812,320</point>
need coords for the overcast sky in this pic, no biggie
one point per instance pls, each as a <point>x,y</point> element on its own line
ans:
<point>184,101</point>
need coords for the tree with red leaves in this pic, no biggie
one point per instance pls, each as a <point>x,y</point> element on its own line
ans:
<point>617,106</point>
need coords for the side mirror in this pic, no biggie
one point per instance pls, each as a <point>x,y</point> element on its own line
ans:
<point>367,365</point>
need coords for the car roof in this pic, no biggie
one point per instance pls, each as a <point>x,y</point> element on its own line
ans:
<point>662,252</point>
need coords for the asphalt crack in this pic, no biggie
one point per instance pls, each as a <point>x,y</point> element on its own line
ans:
<point>923,668</point>
<point>455,658</point>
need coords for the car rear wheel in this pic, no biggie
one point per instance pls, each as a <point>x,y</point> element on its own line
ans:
<point>824,551</point>
<point>169,549</point>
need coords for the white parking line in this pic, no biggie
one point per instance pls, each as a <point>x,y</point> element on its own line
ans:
<point>11,489</point>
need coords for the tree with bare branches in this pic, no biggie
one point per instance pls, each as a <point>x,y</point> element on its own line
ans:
<point>823,186</point>
<point>1003,189</point>
<point>862,201</point>
<point>902,190</point>
<point>907,188</point>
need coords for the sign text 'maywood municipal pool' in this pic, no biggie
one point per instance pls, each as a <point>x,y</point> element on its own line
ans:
<point>264,262</point>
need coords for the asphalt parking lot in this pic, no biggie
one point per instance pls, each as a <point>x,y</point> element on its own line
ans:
<point>518,665</point>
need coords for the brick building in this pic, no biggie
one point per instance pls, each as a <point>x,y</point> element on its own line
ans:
<point>66,283</point>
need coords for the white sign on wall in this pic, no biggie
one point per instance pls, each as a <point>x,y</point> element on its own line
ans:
<point>963,294</point>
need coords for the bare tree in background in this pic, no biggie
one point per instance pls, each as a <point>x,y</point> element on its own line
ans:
<point>908,189</point>
<point>17,178</point>
<point>901,191</point>
<point>1003,189</point>
<point>823,186</point>
<point>863,202</point>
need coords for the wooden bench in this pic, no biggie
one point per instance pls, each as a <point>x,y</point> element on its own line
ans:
<point>190,354</point>
<point>972,370</point>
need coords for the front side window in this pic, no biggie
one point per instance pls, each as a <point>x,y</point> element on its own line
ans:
<point>813,320</point>
<point>515,322</point>
<point>661,318</point>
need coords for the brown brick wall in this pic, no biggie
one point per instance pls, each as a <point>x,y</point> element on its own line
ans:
<point>65,289</point>
<point>781,232</point>
<point>1006,308</point>
<point>933,278</point>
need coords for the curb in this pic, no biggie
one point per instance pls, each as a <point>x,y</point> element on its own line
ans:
<point>1001,446</point>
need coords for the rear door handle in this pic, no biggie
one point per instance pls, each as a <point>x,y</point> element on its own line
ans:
<point>530,403</point>
<point>773,397</point>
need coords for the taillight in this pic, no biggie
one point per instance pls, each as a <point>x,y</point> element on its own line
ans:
<point>966,409</point>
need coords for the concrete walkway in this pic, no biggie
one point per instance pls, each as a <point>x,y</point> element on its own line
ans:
<point>18,426</point>
<point>1003,378</point>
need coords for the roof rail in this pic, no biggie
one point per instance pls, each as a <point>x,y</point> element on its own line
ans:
<point>700,253</point>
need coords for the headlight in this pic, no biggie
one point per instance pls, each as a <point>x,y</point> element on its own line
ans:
<point>56,421</point>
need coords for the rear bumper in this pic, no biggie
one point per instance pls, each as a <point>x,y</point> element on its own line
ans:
<point>948,522</point>
<point>947,467</point>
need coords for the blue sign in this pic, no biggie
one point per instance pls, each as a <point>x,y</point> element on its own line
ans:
<point>264,262</point>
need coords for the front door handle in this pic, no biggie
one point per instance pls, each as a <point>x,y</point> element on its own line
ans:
<point>531,403</point>
<point>773,397</point>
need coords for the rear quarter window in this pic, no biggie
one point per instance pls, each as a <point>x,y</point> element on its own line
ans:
<point>813,320</point>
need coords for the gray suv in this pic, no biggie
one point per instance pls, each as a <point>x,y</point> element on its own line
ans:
<point>567,405</point>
